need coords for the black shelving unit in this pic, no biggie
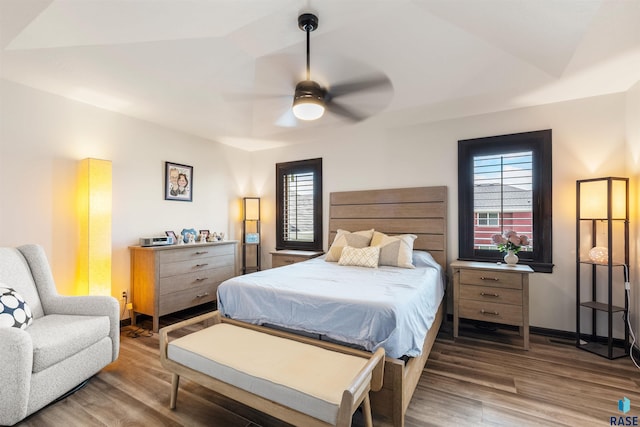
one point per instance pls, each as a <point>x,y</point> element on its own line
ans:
<point>602,222</point>
<point>251,237</point>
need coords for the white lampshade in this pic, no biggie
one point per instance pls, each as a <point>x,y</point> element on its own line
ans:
<point>308,109</point>
<point>252,208</point>
<point>94,211</point>
<point>594,198</point>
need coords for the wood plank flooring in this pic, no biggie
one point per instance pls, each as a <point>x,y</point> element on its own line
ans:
<point>468,382</point>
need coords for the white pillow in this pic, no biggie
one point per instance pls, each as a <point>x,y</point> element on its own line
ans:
<point>14,310</point>
<point>395,251</point>
<point>360,257</point>
<point>358,239</point>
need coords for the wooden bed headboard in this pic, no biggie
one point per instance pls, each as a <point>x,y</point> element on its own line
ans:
<point>420,210</point>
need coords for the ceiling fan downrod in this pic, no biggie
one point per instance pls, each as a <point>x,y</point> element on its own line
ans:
<point>308,22</point>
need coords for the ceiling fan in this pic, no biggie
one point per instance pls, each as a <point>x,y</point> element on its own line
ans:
<point>310,100</point>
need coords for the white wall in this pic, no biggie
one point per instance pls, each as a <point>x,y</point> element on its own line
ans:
<point>588,141</point>
<point>42,138</point>
<point>633,171</point>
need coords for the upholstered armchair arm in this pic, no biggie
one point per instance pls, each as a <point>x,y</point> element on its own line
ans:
<point>16,361</point>
<point>90,305</point>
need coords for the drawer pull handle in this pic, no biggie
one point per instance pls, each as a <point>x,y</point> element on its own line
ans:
<point>202,252</point>
<point>489,313</point>
<point>201,265</point>
<point>489,295</point>
<point>489,278</point>
<point>202,295</point>
<point>200,279</point>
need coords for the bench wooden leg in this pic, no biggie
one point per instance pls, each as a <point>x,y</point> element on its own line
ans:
<point>175,381</point>
<point>366,411</point>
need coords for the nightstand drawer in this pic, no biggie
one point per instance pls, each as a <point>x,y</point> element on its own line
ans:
<point>491,278</point>
<point>281,260</point>
<point>491,312</point>
<point>491,294</point>
<point>288,257</point>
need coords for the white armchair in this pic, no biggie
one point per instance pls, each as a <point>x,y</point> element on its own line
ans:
<point>70,339</point>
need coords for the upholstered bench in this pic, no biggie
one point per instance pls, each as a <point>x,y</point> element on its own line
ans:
<point>296,379</point>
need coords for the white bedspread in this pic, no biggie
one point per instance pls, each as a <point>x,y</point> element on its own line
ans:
<point>371,307</point>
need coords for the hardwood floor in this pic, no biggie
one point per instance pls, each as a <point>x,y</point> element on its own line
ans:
<point>468,382</point>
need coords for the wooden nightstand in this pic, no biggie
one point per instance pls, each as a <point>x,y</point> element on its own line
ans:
<point>286,257</point>
<point>491,292</point>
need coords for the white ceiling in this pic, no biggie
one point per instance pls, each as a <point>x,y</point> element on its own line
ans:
<point>225,70</point>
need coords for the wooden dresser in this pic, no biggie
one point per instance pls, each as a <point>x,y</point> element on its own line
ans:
<point>492,292</point>
<point>286,257</point>
<point>166,279</point>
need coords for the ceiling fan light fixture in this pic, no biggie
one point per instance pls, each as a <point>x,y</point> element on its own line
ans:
<point>308,101</point>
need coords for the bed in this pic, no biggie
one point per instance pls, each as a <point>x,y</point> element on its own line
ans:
<point>405,305</point>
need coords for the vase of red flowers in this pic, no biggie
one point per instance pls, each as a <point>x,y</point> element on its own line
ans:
<point>511,243</point>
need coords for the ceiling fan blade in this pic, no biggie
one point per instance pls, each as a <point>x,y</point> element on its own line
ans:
<point>380,82</point>
<point>345,112</point>
<point>287,119</point>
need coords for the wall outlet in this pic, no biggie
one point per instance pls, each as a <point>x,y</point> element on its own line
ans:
<point>130,306</point>
<point>124,294</point>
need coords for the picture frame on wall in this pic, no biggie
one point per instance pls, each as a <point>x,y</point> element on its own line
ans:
<point>178,182</point>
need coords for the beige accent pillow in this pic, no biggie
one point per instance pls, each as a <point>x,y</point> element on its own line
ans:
<point>358,239</point>
<point>395,251</point>
<point>360,257</point>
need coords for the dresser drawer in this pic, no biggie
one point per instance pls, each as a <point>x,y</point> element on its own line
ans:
<point>195,279</point>
<point>186,298</point>
<point>491,278</point>
<point>491,294</point>
<point>194,252</point>
<point>491,312</point>
<point>170,269</point>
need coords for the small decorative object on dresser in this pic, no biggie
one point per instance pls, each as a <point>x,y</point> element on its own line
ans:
<point>511,243</point>
<point>490,292</point>
<point>186,234</point>
<point>172,235</point>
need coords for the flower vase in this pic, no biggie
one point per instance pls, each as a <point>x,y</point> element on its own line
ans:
<point>511,258</point>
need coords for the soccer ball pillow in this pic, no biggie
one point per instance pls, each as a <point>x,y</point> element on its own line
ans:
<point>14,311</point>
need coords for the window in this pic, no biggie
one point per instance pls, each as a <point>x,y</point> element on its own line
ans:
<point>487,219</point>
<point>299,205</point>
<point>504,183</point>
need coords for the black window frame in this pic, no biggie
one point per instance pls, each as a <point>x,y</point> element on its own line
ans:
<point>540,144</point>
<point>299,167</point>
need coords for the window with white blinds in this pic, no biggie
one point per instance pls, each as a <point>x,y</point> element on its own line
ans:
<point>504,184</point>
<point>502,193</point>
<point>299,205</point>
